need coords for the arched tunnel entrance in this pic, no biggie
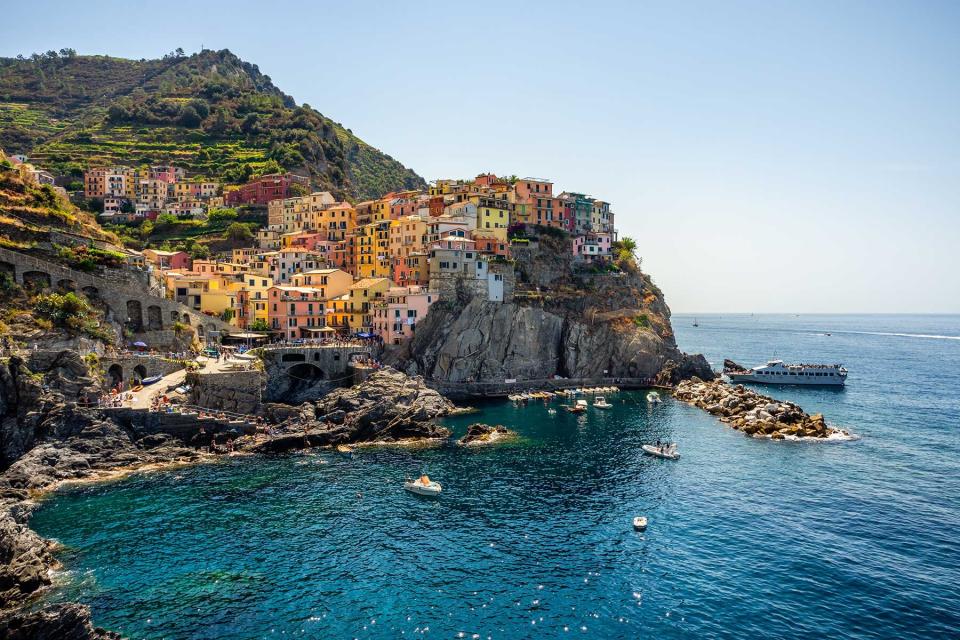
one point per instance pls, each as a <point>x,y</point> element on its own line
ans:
<point>140,372</point>
<point>302,377</point>
<point>115,375</point>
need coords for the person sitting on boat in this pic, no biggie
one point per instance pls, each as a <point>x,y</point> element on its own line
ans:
<point>424,480</point>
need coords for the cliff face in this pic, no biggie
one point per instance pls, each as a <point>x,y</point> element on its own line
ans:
<point>576,325</point>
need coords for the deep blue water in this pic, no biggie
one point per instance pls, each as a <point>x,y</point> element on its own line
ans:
<point>747,538</point>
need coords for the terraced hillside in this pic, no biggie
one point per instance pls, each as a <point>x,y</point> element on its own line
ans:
<point>211,113</point>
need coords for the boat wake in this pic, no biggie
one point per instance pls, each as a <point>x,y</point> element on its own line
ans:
<point>926,336</point>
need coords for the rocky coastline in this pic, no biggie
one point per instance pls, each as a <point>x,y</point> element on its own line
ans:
<point>46,440</point>
<point>752,413</point>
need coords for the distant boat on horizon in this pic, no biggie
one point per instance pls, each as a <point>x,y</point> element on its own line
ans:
<point>695,323</point>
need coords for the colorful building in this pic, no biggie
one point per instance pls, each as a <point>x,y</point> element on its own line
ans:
<point>395,316</point>
<point>262,190</point>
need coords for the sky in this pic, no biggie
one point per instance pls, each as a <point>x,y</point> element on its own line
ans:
<point>771,156</point>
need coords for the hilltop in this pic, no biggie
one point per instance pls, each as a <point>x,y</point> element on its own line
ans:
<point>211,113</point>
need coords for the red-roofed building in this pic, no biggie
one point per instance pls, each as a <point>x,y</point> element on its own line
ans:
<point>265,188</point>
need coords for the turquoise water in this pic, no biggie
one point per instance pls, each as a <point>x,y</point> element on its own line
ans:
<point>747,538</point>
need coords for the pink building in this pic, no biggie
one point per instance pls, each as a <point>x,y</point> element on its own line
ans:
<point>296,312</point>
<point>592,246</point>
<point>167,259</point>
<point>395,317</point>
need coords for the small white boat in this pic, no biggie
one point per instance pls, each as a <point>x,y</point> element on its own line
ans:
<point>579,407</point>
<point>423,486</point>
<point>601,403</point>
<point>653,397</point>
<point>640,523</point>
<point>551,411</point>
<point>668,451</point>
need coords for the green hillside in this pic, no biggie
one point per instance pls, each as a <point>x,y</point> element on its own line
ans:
<point>210,112</point>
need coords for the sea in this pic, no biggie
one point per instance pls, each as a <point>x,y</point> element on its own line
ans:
<point>747,538</point>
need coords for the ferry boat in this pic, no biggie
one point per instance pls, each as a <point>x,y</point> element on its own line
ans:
<point>776,372</point>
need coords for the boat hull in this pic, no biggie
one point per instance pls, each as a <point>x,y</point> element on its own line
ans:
<point>651,450</point>
<point>432,489</point>
<point>806,381</point>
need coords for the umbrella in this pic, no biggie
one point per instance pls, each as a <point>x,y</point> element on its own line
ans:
<point>139,344</point>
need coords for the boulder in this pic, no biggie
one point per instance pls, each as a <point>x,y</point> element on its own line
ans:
<point>479,433</point>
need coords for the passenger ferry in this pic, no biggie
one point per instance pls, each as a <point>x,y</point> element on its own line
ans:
<point>776,372</point>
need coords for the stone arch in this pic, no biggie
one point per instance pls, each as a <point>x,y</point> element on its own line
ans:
<point>175,317</point>
<point>293,357</point>
<point>154,318</point>
<point>91,292</point>
<point>66,285</point>
<point>306,371</point>
<point>140,372</point>
<point>9,269</point>
<point>36,279</point>
<point>115,375</point>
<point>134,315</point>
<point>200,332</point>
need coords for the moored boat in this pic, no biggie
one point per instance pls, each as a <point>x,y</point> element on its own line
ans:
<point>601,403</point>
<point>579,407</point>
<point>151,380</point>
<point>640,523</point>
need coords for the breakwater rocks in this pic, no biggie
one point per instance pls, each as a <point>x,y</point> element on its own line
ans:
<point>386,407</point>
<point>480,434</point>
<point>752,413</point>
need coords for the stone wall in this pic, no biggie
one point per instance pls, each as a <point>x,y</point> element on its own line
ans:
<point>237,391</point>
<point>136,366</point>
<point>127,300</point>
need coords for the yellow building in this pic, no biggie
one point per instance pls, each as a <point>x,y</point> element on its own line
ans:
<point>372,250</point>
<point>256,286</point>
<point>332,283</point>
<point>363,294</point>
<point>493,215</point>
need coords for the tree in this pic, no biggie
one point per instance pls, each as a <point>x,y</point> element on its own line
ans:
<point>189,117</point>
<point>260,325</point>
<point>178,52</point>
<point>126,207</point>
<point>239,232</point>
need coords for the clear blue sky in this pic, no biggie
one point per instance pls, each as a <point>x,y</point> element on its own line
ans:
<point>767,156</point>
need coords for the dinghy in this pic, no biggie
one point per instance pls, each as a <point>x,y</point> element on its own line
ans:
<point>423,486</point>
<point>151,380</point>
<point>668,451</point>
<point>653,397</point>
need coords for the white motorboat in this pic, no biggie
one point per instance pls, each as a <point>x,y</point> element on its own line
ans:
<point>423,486</point>
<point>653,397</point>
<point>640,523</point>
<point>668,451</point>
<point>601,403</point>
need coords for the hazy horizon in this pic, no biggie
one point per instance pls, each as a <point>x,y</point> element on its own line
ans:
<point>767,158</point>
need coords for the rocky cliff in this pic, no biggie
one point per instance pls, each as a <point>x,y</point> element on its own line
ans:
<point>563,321</point>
